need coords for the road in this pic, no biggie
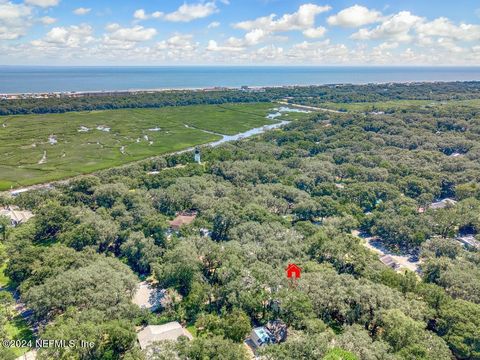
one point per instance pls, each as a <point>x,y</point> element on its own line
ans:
<point>313,108</point>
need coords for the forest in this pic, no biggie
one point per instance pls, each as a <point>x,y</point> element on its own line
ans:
<point>345,93</point>
<point>310,193</point>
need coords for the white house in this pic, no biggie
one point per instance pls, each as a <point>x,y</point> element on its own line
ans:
<point>154,333</point>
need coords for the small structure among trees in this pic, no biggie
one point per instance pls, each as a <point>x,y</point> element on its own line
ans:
<point>183,218</point>
<point>273,333</point>
<point>16,215</point>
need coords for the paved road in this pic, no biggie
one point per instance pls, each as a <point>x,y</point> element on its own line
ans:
<point>310,107</point>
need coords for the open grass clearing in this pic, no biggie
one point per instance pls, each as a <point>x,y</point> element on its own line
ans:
<point>41,148</point>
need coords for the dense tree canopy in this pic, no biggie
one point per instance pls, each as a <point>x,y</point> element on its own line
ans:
<point>312,193</point>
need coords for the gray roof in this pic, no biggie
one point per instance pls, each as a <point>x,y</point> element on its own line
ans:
<point>16,215</point>
<point>389,261</point>
<point>152,333</point>
<point>469,241</point>
<point>148,296</point>
<point>441,204</point>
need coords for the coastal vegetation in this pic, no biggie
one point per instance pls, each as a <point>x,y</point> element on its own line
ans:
<point>345,93</point>
<point>310,193</point>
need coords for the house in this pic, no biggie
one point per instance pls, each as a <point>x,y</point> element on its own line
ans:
<point>153,333</point>
<point>389,261</point>
<point>183,218</point>
<point>148,296</point>
<point>469,242</point>
<point>273,333</point>
<point>16,215</point>
<point>442,204</point>
<point>261,336</point>
<point>293,271</point>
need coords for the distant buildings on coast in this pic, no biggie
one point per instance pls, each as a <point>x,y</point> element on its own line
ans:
<point>78,94</point>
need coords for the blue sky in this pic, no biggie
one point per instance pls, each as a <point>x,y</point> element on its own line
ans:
<point>242,32</point>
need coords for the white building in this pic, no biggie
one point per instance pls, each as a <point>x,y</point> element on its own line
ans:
<point>154,333</point>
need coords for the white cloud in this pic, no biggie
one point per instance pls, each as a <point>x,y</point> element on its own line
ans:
<point>14,20</point>
<point>302,19</point>
<point>395,27</point>
<point>354,16</point>
<point>254,37</point>
<point>134,34</point>
<point>189,12</point>
<point>82,11</point>
<point>445,28</point>
<point>319,52</point>
<point>268,53</point>
<point>315,32</point>
<point>185,13</point>
<point>213,46</point>
<point>47,20</point>
<point>178,41</point>
<point>387,46</point>
<point>213,25</point>
<point>71,37</point>
<point>43,3</point>
<point>140,14</point>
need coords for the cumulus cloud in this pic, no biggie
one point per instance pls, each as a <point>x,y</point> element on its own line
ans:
<point>396,27</point>
<point>47,20</point>
<point>445,28</point>
<point>43,3</point>
<point>189,12</point>
<point>140,14</point>
<point>14,20</point>
<point>398,38</point>
<point>213,46</point>
<point>315,32</point>
<point>355,16</point>
<point>82,11</point>
<point>213,25</point>
<point>70,37</point>
<point>178,47</point>
<point>302,19</point>
<point>407,27</point>
<point>185,13</point>
<point>134,34</point>
<point>319,51</point>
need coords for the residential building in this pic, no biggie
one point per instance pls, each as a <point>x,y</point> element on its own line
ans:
<point>16,215</point>
<point>153,333</point>
<point>183,218</point>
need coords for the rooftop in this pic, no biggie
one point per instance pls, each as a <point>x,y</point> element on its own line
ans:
<point>441,204</point>
<point>16,215</point>
<point>389,261</point>
<point>469,241</point>
<point>147,296</point>
<point>152,333</point>
<point>184,218</point>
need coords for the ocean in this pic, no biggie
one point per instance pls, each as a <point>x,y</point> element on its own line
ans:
<point>26,79</point>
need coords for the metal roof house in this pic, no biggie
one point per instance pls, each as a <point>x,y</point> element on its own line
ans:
<point>153,333</point>
<point>16,215</point>
<point>442,204</point>
<point>469,242</point>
